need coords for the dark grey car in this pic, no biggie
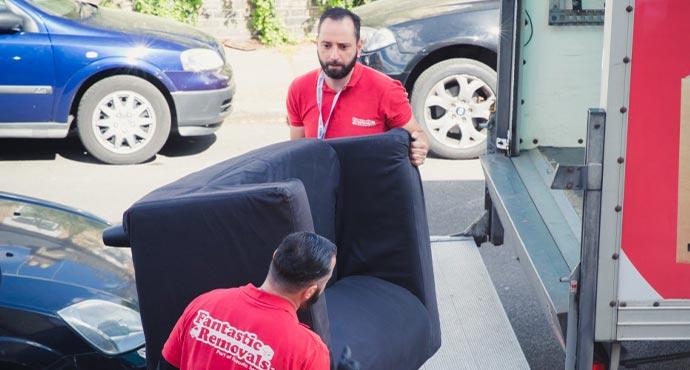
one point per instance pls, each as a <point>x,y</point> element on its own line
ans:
<point>444,53</point>
<point>66,301</point>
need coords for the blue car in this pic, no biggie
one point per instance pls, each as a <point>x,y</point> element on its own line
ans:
<point>66,300</point>
<point>123,81</point>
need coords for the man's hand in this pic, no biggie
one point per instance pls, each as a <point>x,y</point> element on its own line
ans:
<point>419,146</point>
<point>346,361</point>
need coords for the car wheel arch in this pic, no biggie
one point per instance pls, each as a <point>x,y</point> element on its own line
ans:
<point>469,51</point>
<point>120,71</point>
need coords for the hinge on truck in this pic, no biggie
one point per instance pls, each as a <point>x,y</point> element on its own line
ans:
<point>586,177</point>
<point>578,177</point>
<point>503,143</point>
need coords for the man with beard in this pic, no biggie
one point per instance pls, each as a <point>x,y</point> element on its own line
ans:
<point>257,328</point>
<point>346,98</point>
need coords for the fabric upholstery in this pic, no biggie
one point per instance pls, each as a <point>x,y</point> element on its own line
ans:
<point>385,326</point>
<point>218,228</point>
<point>382,224</point>
<point>193,243</point>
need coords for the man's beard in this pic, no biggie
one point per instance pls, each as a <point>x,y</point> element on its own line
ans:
<point>338,74</point>
<point>311,301</point>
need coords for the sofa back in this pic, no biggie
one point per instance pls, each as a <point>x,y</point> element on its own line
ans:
<point>381,221</point>
<point>312,162</point>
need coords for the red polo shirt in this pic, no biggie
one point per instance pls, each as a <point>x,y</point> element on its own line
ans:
<point>370,103</point>
<point>243,328</point>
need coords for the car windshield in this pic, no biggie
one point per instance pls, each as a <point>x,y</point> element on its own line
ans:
<point>66,8</point>
<point>42,241</point>
<point>53,235</point>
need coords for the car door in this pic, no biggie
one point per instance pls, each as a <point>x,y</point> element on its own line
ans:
<point>27,74</point>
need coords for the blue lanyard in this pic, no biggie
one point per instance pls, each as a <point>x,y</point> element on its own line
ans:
<point>323,127</point>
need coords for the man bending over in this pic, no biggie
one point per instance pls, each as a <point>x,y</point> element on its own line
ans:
<point>257,328</point>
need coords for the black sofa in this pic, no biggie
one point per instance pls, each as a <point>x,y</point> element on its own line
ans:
<point>218,228</point>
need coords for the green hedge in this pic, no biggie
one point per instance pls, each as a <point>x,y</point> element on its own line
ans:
<point>180,10</point>
<point>326,4</point>
<point>263,21</point>
<point>265,24</point>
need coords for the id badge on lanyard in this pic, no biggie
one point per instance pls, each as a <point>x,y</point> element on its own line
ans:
<point>323,126</point>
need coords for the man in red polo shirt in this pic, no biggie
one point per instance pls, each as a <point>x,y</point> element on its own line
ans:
<point>346,98</point>
<point>257,328</point>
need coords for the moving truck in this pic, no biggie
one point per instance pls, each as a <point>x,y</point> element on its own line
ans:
<point>588,168</point>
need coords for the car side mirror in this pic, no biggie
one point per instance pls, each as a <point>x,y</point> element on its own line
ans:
<point>10,22</point>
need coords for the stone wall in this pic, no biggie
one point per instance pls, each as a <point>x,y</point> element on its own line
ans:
<point>229,19</point>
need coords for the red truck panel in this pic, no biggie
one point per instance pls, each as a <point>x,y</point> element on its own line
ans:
<point>653,236</point>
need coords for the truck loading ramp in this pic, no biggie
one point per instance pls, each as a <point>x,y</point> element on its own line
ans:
<point>476,333</point>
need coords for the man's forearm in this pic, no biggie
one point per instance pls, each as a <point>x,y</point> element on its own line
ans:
<point>296,132</point>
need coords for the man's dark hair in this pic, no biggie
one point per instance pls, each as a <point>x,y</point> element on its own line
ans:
<point>337,14</point>
<point>301,259</point>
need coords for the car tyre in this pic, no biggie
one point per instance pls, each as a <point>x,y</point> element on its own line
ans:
<point>451,101</point>
<point>123,120</point>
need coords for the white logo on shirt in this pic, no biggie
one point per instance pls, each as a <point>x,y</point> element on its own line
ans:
<point>242,347</point>
<point>361,122</point>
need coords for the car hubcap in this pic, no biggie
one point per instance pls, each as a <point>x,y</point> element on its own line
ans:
<point>124,122</point>
<point>457,109</point>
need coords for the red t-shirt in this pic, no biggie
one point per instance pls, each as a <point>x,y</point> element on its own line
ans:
<point>243,328</point>
<point>370,103</point>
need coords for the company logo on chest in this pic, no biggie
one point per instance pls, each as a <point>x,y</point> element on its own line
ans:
<point>362,122</point>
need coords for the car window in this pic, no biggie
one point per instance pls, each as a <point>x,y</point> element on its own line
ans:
<point>62,8</point>
<point>30,25</point>
<point>54,235</point>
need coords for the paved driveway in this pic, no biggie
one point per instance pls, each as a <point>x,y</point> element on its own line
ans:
<point>60,171</point>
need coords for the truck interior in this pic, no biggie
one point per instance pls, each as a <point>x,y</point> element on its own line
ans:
<point>557,79</point>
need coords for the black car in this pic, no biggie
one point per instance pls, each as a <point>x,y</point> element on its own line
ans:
<point>66,300</point>
<point>444,53</point>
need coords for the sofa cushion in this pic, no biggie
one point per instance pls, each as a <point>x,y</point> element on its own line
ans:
<point>384,324</point>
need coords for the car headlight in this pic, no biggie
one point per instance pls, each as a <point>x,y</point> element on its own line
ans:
<point>111,328</point>
<point>365,33</point>
<point>378,40</point>
<point>197,60</point>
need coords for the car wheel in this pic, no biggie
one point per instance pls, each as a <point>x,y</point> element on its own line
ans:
<point>451,100</point>
<point>123,120</point>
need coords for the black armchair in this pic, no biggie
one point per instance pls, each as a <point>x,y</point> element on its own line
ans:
<point>218,228</point>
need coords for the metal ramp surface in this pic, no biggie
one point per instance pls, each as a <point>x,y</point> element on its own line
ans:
<point>475,330</point>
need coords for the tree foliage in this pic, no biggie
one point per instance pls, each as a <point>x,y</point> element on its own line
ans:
<point>265,24</point>
<point>348,4</point>
<point>185,11</point>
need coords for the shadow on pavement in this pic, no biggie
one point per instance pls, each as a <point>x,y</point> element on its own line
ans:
<point>43,149</point>
<point>72,149</point>
<point>178,146</point>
